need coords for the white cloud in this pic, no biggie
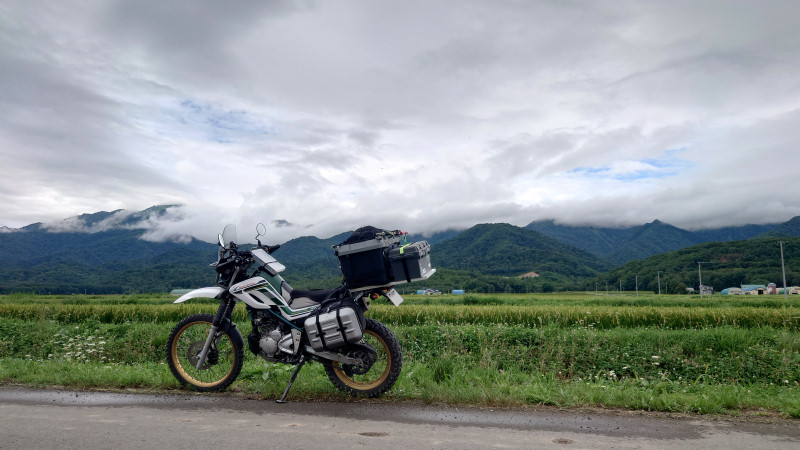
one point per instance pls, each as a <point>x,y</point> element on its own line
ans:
<point>412,115</point>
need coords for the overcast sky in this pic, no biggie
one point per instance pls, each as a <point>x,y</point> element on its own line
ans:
<point>419,115</point>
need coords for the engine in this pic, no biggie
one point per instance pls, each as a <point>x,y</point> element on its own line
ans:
<point>274,340</point>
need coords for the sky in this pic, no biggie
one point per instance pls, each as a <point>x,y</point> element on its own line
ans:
<point>317,117</point>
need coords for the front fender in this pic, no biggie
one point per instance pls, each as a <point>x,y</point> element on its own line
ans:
<point>235,334</point>
<point>206,292</point>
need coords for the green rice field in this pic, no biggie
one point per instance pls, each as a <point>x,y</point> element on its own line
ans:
<point>733,355</point>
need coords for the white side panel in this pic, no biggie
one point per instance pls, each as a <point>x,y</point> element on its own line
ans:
<point>253,291</point>
<point>249,283</point>
<point>269,260</point>
<point>206,292</point>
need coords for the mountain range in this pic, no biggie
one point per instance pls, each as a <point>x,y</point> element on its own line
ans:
<point>620,245</point>
<point>105,252</point>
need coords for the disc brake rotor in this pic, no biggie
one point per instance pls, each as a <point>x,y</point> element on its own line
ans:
<point>193,354</point>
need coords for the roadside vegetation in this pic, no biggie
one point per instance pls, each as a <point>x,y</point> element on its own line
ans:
<point>715,355</point>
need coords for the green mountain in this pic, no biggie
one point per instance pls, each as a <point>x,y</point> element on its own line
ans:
<point>651,239</point>
<point>104,253</point>
<point>790,228</point>
<point>598,241</point>
<point>726,234</point>
<point>723,265</point>
<point>310,261</point>
<point>112,261</point>
<point>506,250</point>
<point>620,245</point>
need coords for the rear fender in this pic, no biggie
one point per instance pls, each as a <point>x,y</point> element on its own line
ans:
<point>206,292</point>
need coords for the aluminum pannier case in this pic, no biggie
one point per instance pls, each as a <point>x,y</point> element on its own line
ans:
<point>336,325</point>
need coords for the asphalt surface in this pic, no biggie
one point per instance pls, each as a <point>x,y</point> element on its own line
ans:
<point>45,419</point>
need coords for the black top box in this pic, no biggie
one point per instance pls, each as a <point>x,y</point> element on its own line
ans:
<point>372,257</point>
<point>363,257</point>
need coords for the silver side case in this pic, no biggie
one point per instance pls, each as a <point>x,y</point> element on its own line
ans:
<point>330,331</point>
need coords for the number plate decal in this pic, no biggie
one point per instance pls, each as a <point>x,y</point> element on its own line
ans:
<point>394,297</point>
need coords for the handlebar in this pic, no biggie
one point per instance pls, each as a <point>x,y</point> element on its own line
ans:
<point>219,268</point>
<point>237,259</point>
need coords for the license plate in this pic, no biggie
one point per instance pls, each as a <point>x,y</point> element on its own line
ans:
<point>394,297</point>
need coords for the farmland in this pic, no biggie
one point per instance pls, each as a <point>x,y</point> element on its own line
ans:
<point>729,355</point>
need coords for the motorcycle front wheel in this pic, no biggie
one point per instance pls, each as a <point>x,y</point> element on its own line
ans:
<point>223,362</point>
<point>379,376</point>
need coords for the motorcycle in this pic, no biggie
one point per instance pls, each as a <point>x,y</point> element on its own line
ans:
<point>361,356</point>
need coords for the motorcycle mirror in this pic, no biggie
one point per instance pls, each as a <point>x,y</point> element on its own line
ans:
<point>261,229</point>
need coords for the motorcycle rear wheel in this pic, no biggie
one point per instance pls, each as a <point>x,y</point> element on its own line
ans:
<point>381,375</point>
<point>222,365</point>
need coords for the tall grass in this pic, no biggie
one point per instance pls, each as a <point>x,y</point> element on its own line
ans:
<point>590,299</point>
<point>529,316</point>
<point>77,299</point>
<point>469,385</point>
<point>719,355</point>
<point>560,350</point>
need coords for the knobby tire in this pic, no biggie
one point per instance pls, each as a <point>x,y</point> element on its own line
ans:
<point>222,365</point>
<point>383,374</point>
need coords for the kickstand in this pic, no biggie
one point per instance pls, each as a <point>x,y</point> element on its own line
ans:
<point>291,381</point>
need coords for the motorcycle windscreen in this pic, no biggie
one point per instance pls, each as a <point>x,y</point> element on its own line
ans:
<point>228,236</point>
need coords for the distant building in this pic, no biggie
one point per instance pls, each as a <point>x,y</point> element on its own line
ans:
<point>529,275</point>
<point>772,288</point>
<point>732,291</point>
<point>754,289</point>
<point>706,290</point>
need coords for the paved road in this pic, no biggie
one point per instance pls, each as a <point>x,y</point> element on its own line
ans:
<point>45,419</point>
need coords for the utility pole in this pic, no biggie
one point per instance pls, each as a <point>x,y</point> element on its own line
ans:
<point>783,269</point>
<point>659,282</point>
<point>637,285</point>
<point>700,276</point>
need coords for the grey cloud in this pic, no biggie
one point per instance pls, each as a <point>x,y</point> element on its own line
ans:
<point>436,115</point>
<point>530,155</point>
<point>194,33</point>
<point>58,134</point>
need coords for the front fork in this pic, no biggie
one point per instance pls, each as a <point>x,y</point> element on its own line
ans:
<point>221,321</point>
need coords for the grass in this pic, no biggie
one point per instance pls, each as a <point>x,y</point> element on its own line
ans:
<point>653,353</point>
<point>420,382</point>
<point>567,315</point>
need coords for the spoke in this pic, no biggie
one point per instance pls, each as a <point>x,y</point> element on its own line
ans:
<point>219,362</point>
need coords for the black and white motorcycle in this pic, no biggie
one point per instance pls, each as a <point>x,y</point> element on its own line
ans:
<point>361,356</point>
